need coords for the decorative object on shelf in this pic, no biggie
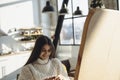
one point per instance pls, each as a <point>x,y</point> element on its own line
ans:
<point>96,3</point>
<point>30,34</point>
<point>48,7</point>
<point>78,11</point>
<point>2,33</point>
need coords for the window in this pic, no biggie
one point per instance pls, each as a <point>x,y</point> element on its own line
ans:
<point>73,25</point>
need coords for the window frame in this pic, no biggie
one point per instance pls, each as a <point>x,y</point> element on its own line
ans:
<point>72,17</point>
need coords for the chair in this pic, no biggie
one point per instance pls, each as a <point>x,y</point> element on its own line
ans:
<point>71,73</point>
<point>17,76</point>
<point>99,54</point>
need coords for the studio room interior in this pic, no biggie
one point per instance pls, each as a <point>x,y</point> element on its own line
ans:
<point>82,38</point>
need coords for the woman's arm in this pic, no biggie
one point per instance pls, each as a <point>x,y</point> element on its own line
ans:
<point>62,72</point>
<point>26,74</point>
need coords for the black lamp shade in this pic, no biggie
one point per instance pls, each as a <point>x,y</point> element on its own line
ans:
<point>78,12</point>
<point>48,7</point>
<point>63,11</point>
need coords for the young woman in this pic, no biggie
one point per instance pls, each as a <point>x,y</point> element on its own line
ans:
<point>41,65</point>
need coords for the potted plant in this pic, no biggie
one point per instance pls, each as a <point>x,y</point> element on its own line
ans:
<point>96,4</point>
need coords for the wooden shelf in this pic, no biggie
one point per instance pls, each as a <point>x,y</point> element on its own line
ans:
<point>38,28</point>
<point>31,31</point>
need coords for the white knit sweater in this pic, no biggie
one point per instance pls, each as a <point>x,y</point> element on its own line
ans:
<point>39,70</point>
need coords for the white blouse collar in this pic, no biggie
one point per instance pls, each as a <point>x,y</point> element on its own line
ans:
<point>40,61</point>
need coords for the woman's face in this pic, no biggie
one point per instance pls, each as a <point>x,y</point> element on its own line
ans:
<point>45,52</point>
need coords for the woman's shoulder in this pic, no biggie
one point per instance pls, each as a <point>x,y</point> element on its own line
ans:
<point>26,67</point>
<point>55,60</point>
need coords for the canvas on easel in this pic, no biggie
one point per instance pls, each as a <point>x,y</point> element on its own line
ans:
<point>99,54</point>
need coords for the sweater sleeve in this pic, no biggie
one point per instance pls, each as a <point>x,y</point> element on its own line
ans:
<point>26,74</point>
<point>61,69</point>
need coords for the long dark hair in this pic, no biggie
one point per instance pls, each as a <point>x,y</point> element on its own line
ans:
<point>40,42</point>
